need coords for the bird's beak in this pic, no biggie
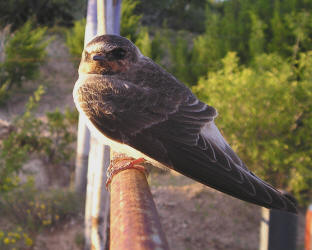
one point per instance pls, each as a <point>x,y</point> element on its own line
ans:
<point>99,58</point>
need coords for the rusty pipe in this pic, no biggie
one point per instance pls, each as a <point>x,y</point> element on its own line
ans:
<point>134,220</point>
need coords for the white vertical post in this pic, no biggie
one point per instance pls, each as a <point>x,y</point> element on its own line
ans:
<point>264,229</point>
<point>97,205</point>
<point>83,175</point>
<point>117,16</point>
<point>83,134</point>
<point>278,230</point>
<point>97,202</point>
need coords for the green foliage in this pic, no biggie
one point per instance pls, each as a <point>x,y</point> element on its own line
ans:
<point>265,111</point>
<point>300,25</point>
<point>15,148</point>
<point>24,53</point>
<point>257,35</point>
<point>251,28</point>
<point>15,238</point>
<point>178,14</point>
<point>50,140</point>
<point>53,12</point>
<point>56,146</point>
<point>75,39</point>
<point>180,58</point>
<point>150,47</point>
<point>186,15</point>
<point>207,49</point>
<point>4,93</point>
<point>130,22</point>
<point>33,209</point>
<point>262,90</point>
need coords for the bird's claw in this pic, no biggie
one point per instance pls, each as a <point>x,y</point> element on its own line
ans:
<point>119,164</point>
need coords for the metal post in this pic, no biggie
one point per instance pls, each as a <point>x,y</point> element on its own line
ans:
<point>134,221</point>
<point>278,230</point>
<point>109,17</point>
<point>308,229</point>
<point>83,134</point>
<point>97,202</point>
<point>85,174</point>
<point>97,206</point>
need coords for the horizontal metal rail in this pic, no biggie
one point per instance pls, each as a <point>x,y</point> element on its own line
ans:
<point>134,220</point>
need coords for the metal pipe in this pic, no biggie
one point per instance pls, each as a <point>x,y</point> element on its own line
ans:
<point>278,230</point>
<point>308,229</point>
<point>83,134</point>
<point>134,221</point>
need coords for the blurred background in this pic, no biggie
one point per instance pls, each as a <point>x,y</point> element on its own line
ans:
<point>251,60</point>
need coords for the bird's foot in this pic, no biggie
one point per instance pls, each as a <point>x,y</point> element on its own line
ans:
<point>119,164</point>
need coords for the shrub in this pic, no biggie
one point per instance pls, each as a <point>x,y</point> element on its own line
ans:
<point>33,209</point>
<point>51,141</point>
<point>24,52</point>
<point>265,111</point>
<point>53,12</point>
<point>150,46</point>
<point>75,39</point>
<point>180,55</point>
<point>15,238</point>
<point>130,22</point>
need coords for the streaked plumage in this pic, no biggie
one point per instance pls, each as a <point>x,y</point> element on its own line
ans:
<point>140,108</point>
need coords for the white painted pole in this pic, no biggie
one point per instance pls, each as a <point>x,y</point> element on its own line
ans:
<point>97,205</point>
<point>278,230</point>
<point>98,199</point>
<point>83,173</point>
<point>83,134</point>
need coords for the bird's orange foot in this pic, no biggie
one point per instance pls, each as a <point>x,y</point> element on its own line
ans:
<point>119,164</point>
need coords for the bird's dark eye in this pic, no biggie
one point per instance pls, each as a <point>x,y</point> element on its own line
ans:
<point>118,53</point>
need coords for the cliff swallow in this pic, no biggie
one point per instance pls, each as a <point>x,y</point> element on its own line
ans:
<point>140,109</point>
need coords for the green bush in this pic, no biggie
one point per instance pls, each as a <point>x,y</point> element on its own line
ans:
<point>15,149</point>
<point>207,48</point>
<point>266,114</point>
<point>75,39</point>
<point>15,238</point>
<point>130,22</point>
<point>53,12</point>
<point>24,52</point>
<point>150,46</point>
<point>178,14</point>
<point>33,209</point>
<point>180,55</point>
<point>50,140</point>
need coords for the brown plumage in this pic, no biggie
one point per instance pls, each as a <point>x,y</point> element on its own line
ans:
<point>135,105</point>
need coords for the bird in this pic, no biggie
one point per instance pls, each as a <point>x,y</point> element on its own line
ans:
<point>141,110</point>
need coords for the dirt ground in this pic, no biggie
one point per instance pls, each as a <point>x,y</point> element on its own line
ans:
<point>194,217</point>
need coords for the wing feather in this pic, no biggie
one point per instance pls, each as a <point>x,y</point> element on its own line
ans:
<point>175,129</point>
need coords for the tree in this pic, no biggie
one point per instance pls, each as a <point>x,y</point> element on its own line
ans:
<point>265,113</point>
<point>24,52</point>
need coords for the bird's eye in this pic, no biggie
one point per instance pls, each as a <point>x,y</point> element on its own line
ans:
<point>118,53</point>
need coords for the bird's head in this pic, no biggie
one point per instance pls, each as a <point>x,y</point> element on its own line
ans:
<point>108,55</point>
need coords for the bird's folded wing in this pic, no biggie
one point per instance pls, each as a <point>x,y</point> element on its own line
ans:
<point>206,157</point>
<point>177,130</point>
